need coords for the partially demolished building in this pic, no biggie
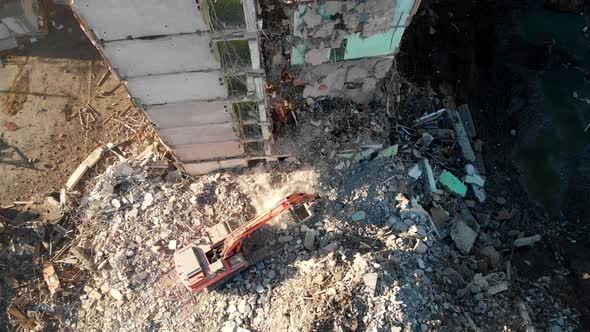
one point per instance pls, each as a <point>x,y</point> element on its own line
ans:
<point>196,68</point>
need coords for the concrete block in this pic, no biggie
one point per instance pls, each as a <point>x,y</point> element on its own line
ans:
<point>463,236</point>
<point>452,184</point>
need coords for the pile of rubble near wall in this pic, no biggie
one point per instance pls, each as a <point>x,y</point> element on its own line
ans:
<point>402,239</point>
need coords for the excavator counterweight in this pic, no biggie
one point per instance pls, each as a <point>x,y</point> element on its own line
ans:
<point>214,259</point>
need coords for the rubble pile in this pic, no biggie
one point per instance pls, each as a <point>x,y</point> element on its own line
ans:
<point>133,222</point>
<point>332,126</point>
<point>404,237</point>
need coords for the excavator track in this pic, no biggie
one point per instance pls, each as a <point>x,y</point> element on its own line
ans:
<point>252,259</point>
<point>262,253</point>
<point>219,283</point>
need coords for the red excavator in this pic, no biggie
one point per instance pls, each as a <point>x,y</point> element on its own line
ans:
<point>211,261</point>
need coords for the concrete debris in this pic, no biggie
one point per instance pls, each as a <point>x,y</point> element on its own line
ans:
<point>471,170</point>
<point>415,172</point>
<point>463,138</point>
<point>429,117</point>
<point>358,216</point>
<point>116,294</point>
<point>479,193</point>
<point>374,248</point>
<point>452,184</point>
<point>475,179</point>
<point>370,280</point>
<point>342,79</point>
<point>309,241</point>
<point>430,181</point>
<point>527,241</point>
<point>495,289</point>
<point>420,247</point>
<point>416,212</point>
<point>424,141</point>
<point>463,236</point>
<point>116,203</point>
<point>148,199</point>
<point>389,152</point>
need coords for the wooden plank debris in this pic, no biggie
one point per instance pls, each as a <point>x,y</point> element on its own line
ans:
<point>429,118</point>
<point>103,78</point>
<point>89,162</point>
<point>21,319</point>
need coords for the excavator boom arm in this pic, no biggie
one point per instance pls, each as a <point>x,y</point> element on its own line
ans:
<point>234,239</point>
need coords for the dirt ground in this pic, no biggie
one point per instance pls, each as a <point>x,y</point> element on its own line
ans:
<point>43,134</point>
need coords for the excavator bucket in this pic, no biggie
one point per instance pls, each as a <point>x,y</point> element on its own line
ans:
<point>301,212</point>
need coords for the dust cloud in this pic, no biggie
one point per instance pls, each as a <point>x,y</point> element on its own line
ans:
<point>265,189</point>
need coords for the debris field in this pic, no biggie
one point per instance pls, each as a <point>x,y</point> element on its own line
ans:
<point>404,237</point>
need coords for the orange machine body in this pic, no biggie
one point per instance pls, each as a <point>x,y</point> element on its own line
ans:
<point>204,265</point>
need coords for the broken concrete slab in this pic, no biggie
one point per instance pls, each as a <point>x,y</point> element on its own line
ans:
<point>116,294</point>
<point>495,289</point>
<point>390,151</point>
<point>462,137</point>
<point>463,236</point>
<point>370,280</point>
<point>429,117</point>
<point>415,212</point>
<point>452,183</point>
<point>430,181</point>
<point>527,241</point>
<point>475,179</point>
<point>415,172</point>
<point>335,80</point>
<point>420,247</point>
<point>479,192</point>
<point>90,161</point>
<point>148,200</point>
<point>369,85</point>
<point>309,240</point>
<point>311,18</point>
